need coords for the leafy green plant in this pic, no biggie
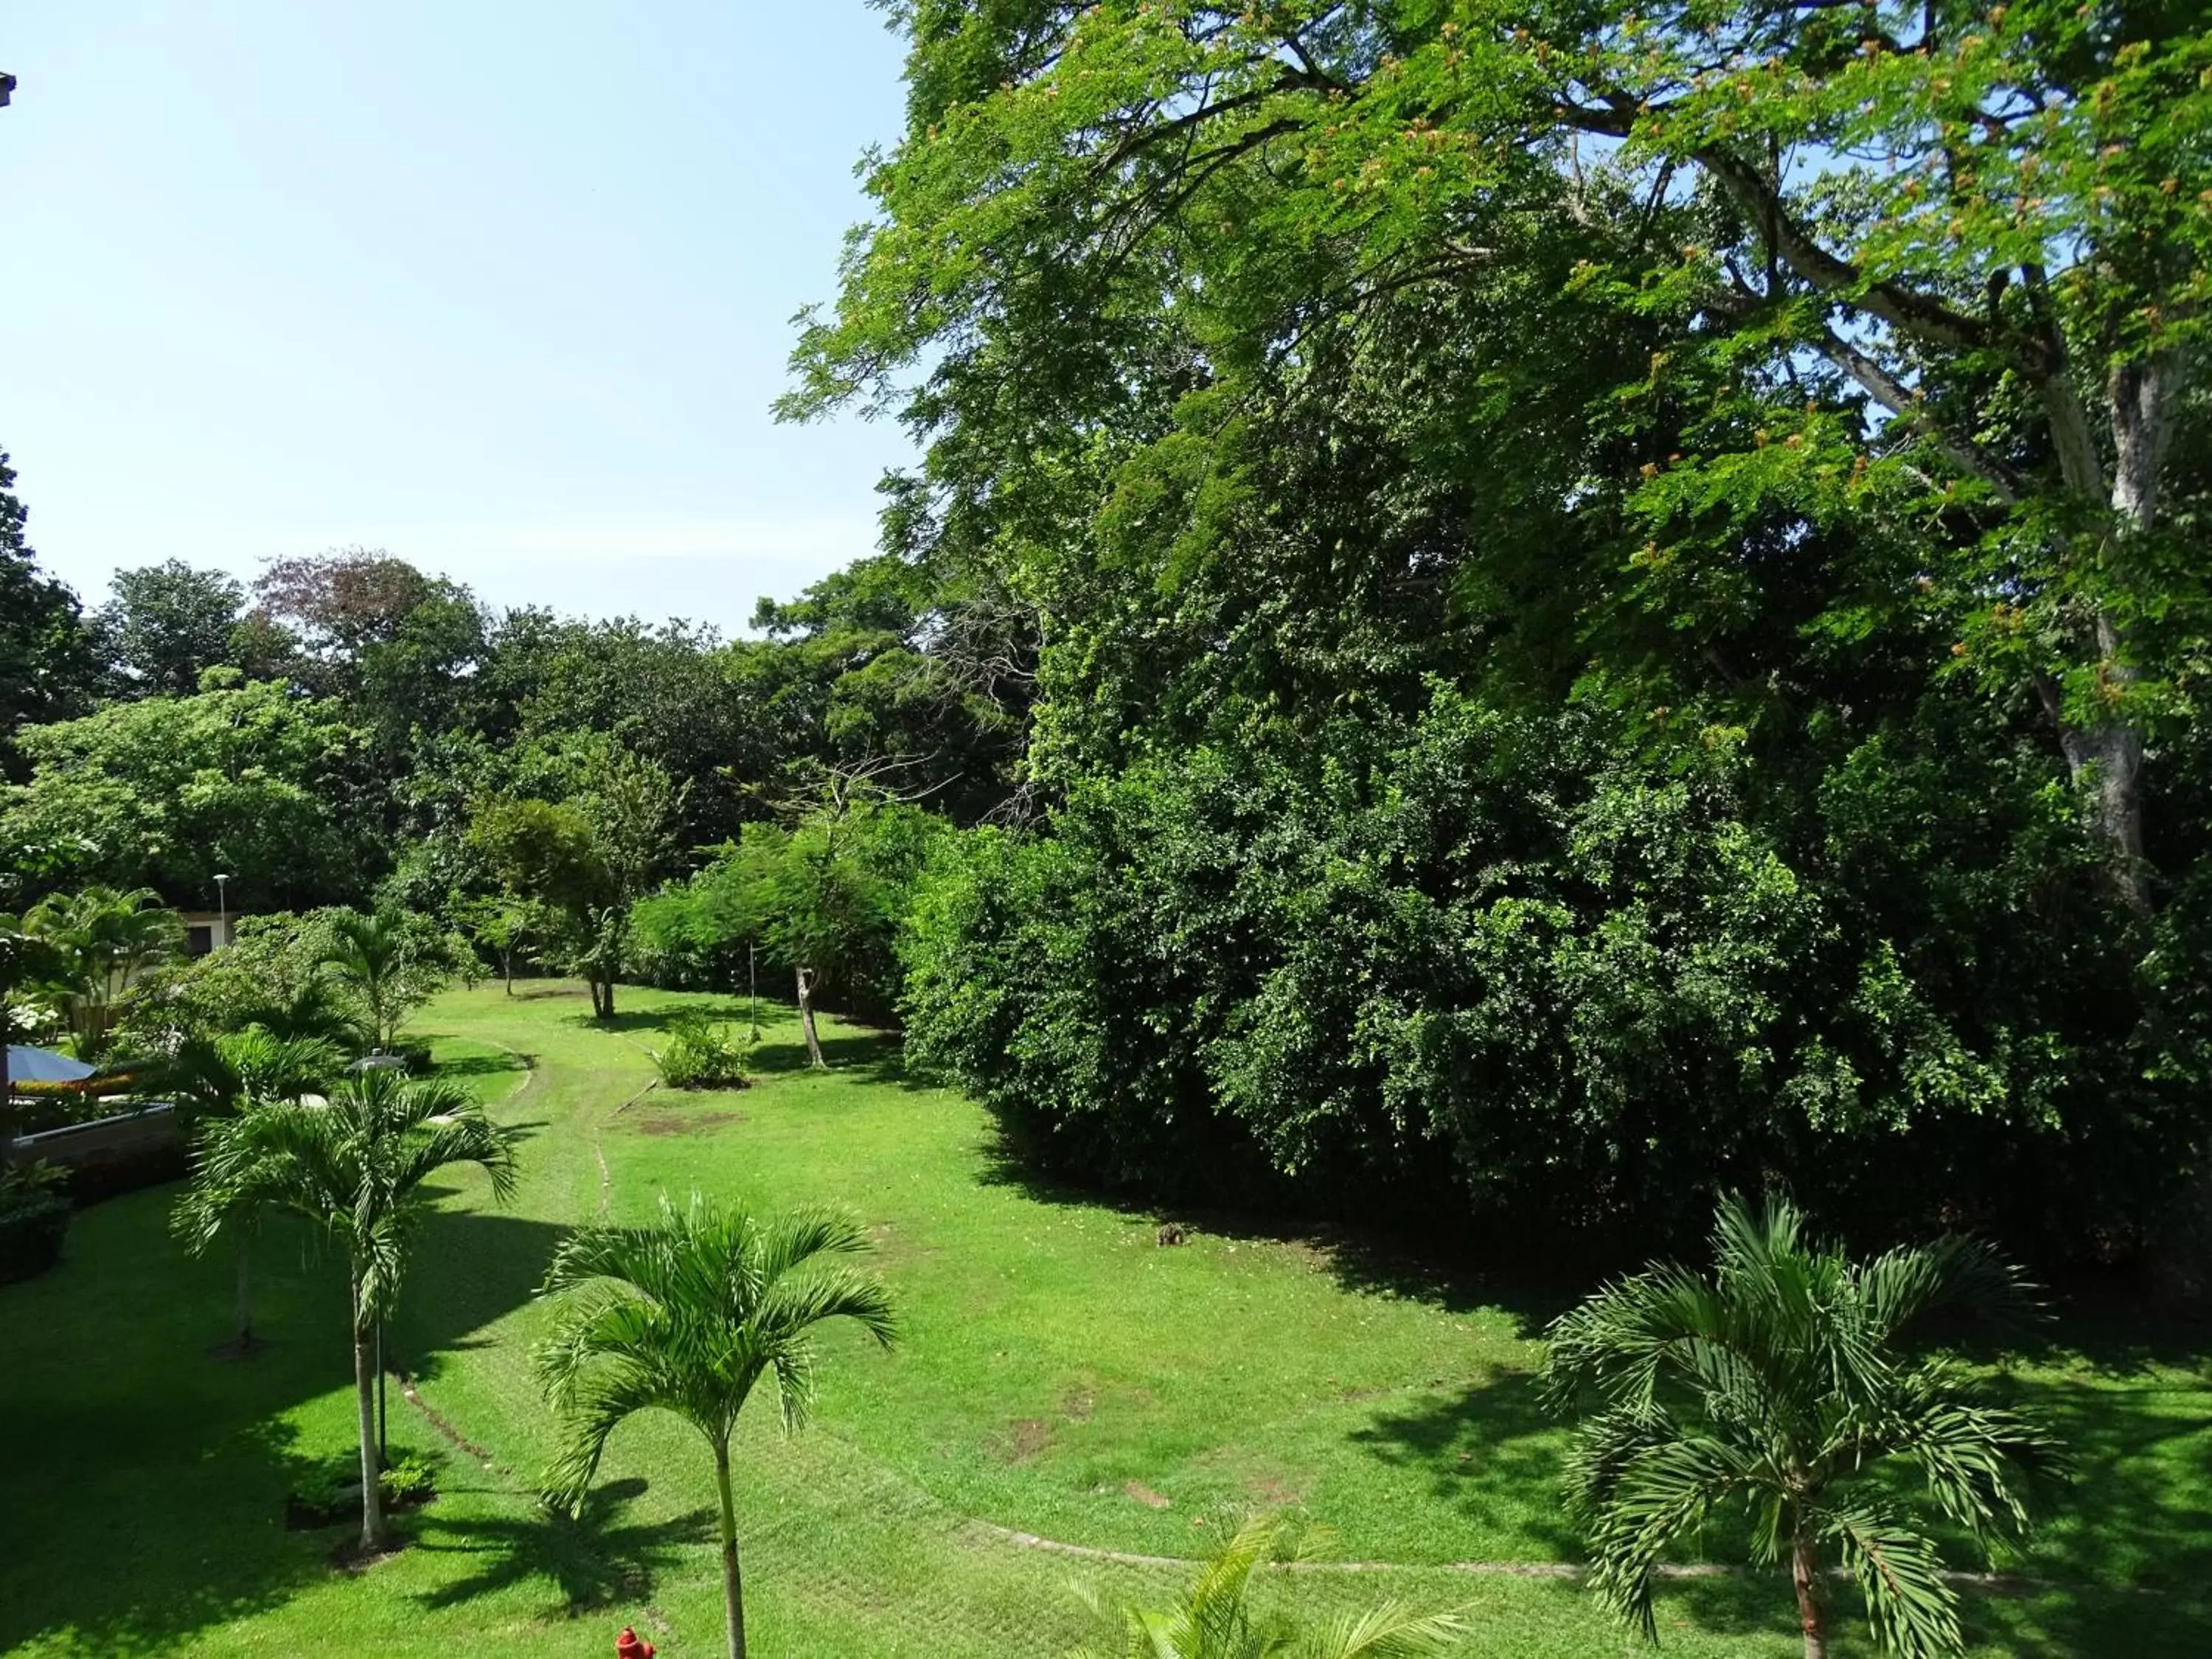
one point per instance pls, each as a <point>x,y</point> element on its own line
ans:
<point>330,1490</point>
<point>1776,1386</point>
<point>1215,1619</point>
<point>34,1218</point>
<point>702,1055</point>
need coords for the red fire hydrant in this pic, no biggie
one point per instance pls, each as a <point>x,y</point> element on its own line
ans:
<point>630,1645</point>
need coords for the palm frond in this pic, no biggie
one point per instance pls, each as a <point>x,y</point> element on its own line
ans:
<point>1387,1631</point>
<point>1903,1285</point>
<point>1914,1612</point>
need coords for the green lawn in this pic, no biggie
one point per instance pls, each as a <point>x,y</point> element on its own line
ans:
<point>1063,1375</point>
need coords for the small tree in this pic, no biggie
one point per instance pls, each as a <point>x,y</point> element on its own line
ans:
<point>1776,1386</point>
<point>1215,1619</point>
<point>587,857</point>
<point>502,924</point>
<point>387,971</point>
<point>356,1168</point>
<point>228,1075</point>
<point>685,1317</point>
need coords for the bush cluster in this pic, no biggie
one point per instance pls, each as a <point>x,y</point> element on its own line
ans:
<point>702,1055</point>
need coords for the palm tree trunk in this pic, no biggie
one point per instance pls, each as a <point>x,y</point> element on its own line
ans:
<point>733,1591</point>
<point>242,1292</point>
<point>807,1020</point>
<point>1805,1576</point>
<point>364,1385</point>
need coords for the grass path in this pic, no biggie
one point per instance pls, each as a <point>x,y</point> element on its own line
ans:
<point>1065,1383</point>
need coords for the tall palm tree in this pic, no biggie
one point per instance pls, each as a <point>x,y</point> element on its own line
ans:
<point>100,943</point>
<point>1777,1387</point>
<point>356,1167</point>
<point>1215,1619</point>
<point>685,1317</point>
<point>239,1072</point>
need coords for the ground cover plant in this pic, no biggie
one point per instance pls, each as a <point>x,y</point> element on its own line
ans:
<point>1062,1376</point>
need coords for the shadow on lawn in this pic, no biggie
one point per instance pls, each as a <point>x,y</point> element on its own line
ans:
<point>1410,1267</point>
<point>593,1559</point>
<point>147,1481</point>
<point>1489,1448</point>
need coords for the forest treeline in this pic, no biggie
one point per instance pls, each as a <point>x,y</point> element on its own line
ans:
<point>1509,614</point>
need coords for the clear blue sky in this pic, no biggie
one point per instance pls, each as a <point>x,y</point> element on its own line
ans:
<point>501,288</point>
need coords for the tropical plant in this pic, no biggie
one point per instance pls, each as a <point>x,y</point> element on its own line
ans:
<point>685,1317</point>
<point>102,942</point>
<point>1215,1619</point>
<point>211,1077</point>
<point>382,968</point>
<point>1777,1387</point>
<point>354,1167</point>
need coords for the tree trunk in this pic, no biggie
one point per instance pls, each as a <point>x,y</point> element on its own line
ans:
<point>733,1589</point>
<point>364,1385</point>
<point>607,1000</point>
<point>807,1020</point>
<point>242,1292</point>
<point>1805,1577</point>
<point>507,970</point>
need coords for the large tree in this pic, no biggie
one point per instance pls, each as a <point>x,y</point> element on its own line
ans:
<point>247,780</point>
<point>165,623</point>
<point>46,667</point>
<point>1461,458</point>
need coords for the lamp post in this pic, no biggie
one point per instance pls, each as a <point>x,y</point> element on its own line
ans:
<point>222,908</point>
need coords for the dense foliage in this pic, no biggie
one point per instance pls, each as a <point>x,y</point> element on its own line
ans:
<point>1527,614</point>
<point>1610,594</point>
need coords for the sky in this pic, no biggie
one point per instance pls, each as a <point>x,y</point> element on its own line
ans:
<point>502,288</point>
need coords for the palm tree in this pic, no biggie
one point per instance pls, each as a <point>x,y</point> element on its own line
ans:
<point>368,954</point>
<point>685,1317</point>
<point>356,1167</point>
<point>1215,1619</point>
<point>101,942</point>
<point>1776,1388</point>
<point>237,1073</point>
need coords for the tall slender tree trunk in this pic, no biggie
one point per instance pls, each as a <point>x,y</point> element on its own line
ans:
<point>364,1386</point>
<point>733,1589</point>
<point>807,1020</point>
<point>242,1292</point>
<point>1805,1577</point>
<point>507,970</point>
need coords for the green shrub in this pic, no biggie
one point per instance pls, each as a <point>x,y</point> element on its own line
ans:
<point>331,1492</point>
<point>702,1055</point>
<point>34,1217</point>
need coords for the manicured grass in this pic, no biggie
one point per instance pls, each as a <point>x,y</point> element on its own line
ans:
<point>1063,1375</point>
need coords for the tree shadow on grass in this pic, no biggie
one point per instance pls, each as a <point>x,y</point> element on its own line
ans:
<point>146,1482</point>
<point>1490,1449</point>
<point>508,1063</point>
<point>1370,1261</point>
<point>467,1270</point>
<point>592,1559</point>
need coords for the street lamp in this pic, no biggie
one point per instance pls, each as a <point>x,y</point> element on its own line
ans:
<point>223,907</point>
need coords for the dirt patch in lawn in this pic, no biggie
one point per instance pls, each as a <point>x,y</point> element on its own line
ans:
<point>1144,1495</point>
<point>684,1124</point>
<point>1020,1441</point>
